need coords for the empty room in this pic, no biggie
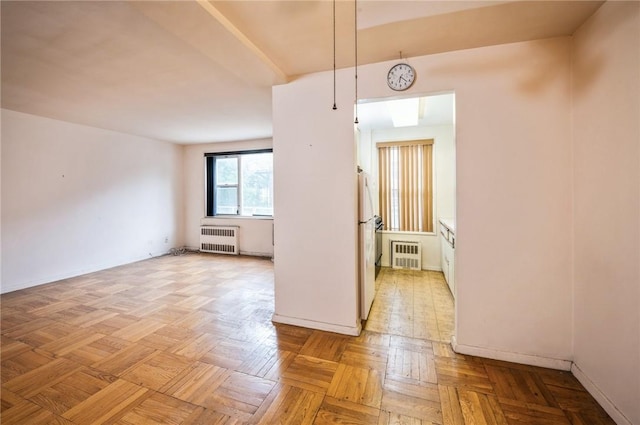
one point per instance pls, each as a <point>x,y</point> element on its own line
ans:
<point>320,212</point>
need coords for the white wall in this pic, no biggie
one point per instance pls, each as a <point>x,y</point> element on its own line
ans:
<point>606,143</point>
<point>513,183</point>
<point>513,196</point>
<point>315,204</point>
<point>513,265</point>
<point>76,199</point>
<point>444,187</point>
<point>255,234</point>
<point>0,204</point>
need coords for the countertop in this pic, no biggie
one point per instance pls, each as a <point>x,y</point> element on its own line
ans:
<point>449,223</point>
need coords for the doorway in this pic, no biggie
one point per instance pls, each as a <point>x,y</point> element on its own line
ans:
<point>397,120</point>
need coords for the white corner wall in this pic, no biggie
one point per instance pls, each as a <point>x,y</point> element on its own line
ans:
<point>513,203</point>
<point>606,144</point>
<point>0,204</point>
<point>513,147</point>
<point>255,234</point>
<point>77,199</point>
<point>315,204</point>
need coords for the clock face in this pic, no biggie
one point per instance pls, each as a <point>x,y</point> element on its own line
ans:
<point>401,77</point>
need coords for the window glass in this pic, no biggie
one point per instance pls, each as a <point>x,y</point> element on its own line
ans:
<point>226,200</point>
<point>240,183</point>
<point>257,184</point>
<point>226,171</point>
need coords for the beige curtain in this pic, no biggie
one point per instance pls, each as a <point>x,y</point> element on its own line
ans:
<point>406,185</point>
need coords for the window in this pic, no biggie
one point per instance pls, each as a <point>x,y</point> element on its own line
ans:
<point>240,183</point>
<point>406,185</point>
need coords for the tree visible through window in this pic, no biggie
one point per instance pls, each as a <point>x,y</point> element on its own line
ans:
<point>406,185</point>
<point>240,183</point>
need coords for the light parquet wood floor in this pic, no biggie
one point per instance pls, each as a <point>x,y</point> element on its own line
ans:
<point>412,304</point>
<point>189,340</point>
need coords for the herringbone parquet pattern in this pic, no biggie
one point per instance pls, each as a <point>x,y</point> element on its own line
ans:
<point>188,340</point>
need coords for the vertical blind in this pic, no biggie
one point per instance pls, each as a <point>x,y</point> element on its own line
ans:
<point>406,185</point>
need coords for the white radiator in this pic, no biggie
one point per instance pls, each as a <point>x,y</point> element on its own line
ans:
<point>219,239</point>
<point>406,255</point>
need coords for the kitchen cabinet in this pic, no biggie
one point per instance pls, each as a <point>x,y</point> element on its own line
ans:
<point>447,250</point>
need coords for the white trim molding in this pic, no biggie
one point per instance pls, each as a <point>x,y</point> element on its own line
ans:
<point>600,397</point>
<point>507,356</point>
<point>322,326</point>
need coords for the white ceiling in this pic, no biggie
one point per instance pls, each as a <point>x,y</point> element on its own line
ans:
<point>201,71</point>
<point>433,110</point>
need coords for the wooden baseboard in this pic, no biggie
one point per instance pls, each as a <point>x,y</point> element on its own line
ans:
<point>507,356</point>
<point>321,326</point>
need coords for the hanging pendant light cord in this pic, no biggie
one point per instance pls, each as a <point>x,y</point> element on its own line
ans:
<point>355,12</point>
<point>334,55</point>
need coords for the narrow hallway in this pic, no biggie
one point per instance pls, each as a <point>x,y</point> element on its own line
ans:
<point>415,304</point>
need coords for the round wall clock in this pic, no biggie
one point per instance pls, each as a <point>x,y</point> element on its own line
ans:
<point>400,77</point>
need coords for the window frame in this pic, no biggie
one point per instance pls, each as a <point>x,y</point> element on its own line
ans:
<point>210,181</point>
<point>421,206</point>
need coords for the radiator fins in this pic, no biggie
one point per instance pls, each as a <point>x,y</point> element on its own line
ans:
<point>215,247</point>
<point>217,231</point>
<point>219,239</point>
<point>406,255</point>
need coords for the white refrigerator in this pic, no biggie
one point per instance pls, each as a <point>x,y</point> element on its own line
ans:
<point>366,245</point>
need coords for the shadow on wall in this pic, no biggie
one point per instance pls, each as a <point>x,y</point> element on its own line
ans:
<point>542,61</point>
<point>589,66</point>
